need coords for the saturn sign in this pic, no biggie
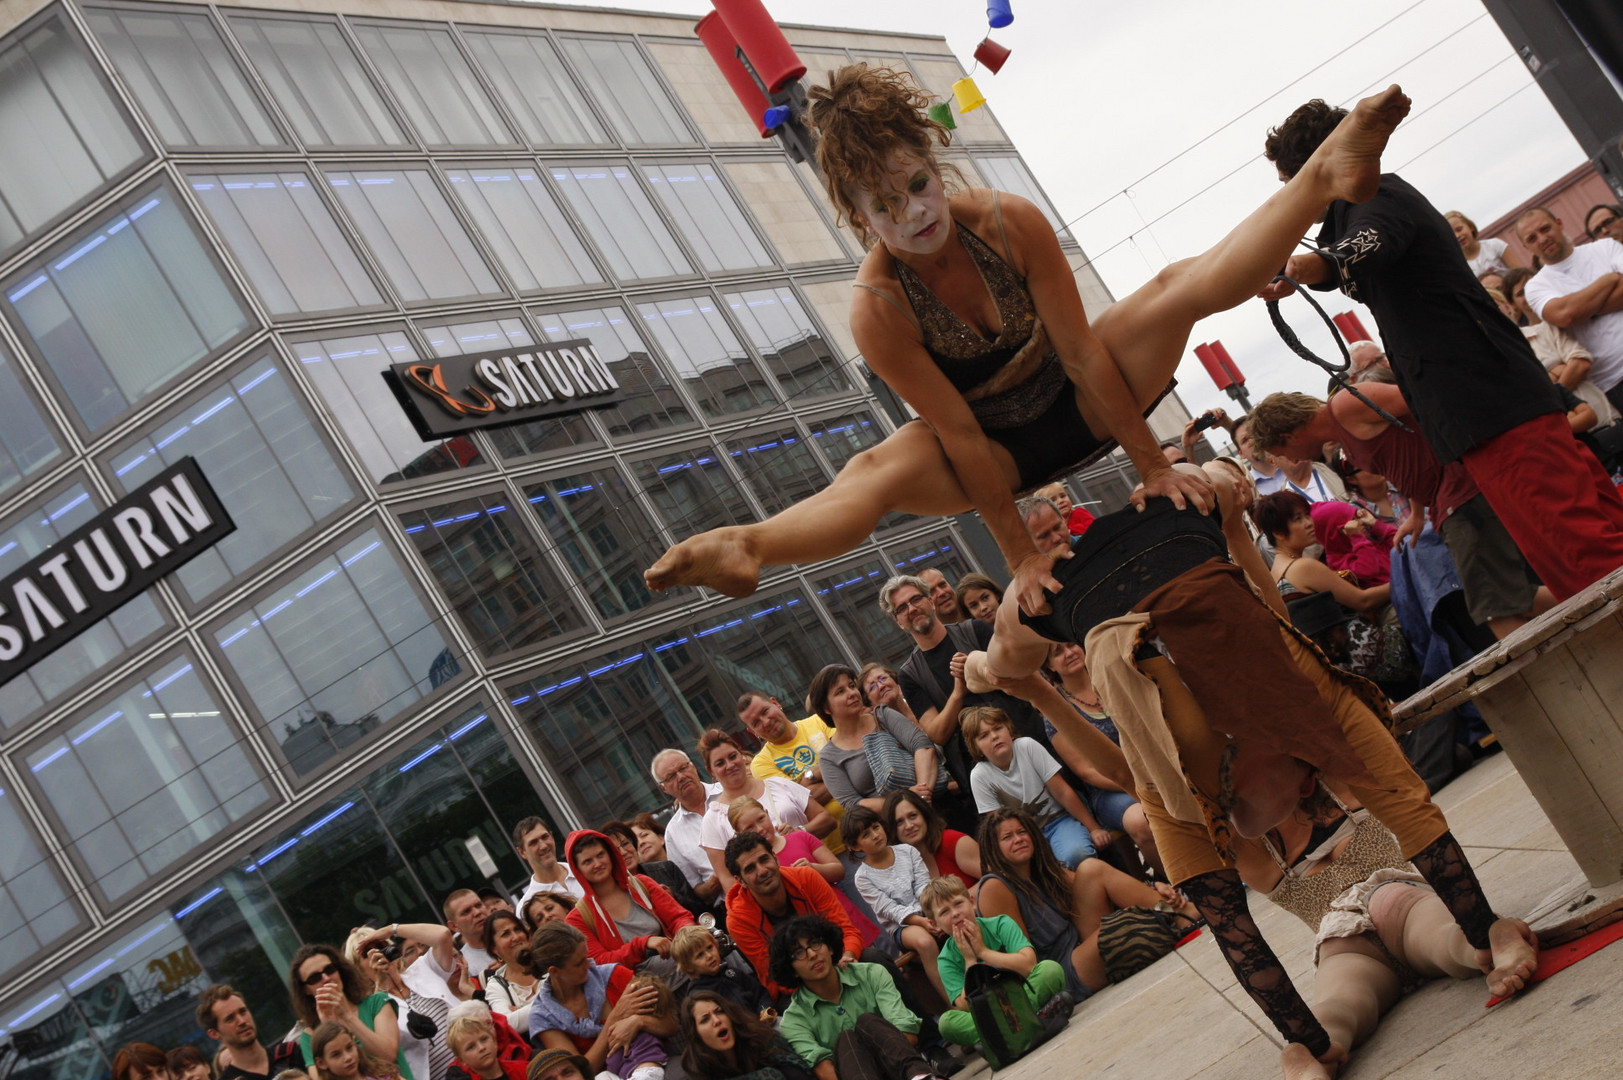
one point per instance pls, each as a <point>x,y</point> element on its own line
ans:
<point>455,395</point>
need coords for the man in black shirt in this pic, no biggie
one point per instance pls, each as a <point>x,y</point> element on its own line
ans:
<point>1477,392</point>
<point>224,1015</point>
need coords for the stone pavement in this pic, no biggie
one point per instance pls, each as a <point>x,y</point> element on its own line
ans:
<point>1185,1018</point>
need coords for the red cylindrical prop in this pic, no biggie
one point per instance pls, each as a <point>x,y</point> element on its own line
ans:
<point>769,52</point>
<point>1228,363</point>
<point>1214,367</point>
<point>991,55</point>
<point>718,41</point>
<point>1350,326</point>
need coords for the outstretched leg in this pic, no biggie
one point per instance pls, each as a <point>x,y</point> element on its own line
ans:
<point>1146,331</point>
<point>908,472</point>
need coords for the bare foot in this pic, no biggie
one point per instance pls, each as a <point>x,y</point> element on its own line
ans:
<point>720,559</point>
<point>1300,1064</point>
<point>1350,158</point>
<point>1513,954</point>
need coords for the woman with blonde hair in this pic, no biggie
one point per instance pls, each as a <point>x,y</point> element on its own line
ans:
<point>968,309</point>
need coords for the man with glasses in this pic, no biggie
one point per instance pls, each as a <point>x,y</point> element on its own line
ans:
<point>1605,220</point>
<point>1580,290</point>
<point>676,776</point>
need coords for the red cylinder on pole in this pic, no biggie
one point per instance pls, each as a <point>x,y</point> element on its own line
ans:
<point>719,43</point>
<point>1350,326</point>
<point>769,52</point>
<point>1214,367</point>
<point>1228,363</point>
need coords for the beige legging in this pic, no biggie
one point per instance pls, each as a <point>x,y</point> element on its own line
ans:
<point>1356,983</point>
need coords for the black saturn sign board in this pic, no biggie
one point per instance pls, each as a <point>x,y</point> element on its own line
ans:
<point>458,394</point>
<point>110,560</point>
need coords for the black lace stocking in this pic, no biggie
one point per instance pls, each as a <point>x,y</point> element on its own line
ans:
<point>1446,869</point>
<point>1221,899</point>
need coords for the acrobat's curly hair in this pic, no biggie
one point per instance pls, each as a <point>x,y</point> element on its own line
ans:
<point>862,115</point>
<point>1290,144</point>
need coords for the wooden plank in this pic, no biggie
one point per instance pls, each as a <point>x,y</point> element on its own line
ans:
<point>1591,724</point>
<point>1534,743</point>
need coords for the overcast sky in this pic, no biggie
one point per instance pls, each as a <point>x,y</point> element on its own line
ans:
<point>1098,97</point>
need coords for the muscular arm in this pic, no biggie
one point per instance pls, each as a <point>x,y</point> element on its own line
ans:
<point>1603,295</point>
<point>1360,420</point>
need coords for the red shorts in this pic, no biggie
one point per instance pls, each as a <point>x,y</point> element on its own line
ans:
<point>1554,499</point>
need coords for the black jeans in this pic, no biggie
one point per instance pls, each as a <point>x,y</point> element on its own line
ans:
<point>876,1050</point>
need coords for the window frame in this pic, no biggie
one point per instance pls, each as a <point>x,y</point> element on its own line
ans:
<point>354,23</point>
<point>696,138</point>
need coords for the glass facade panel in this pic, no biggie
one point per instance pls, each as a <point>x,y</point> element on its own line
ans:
<point>515,440</point>
<point>286,241</point>
<point>235,932</point>
<point>184,77</point>
<point>780,466</point>
<point>940,551</point>
<point>146,777</point>
<point>783,334</point>
<point>708,215</point>
<point>831,300</point>
<point>29,534</point>
<point>431,809</point>
<point>651,402</point>
<point>707,356</point>
<point>54,104</point>
<point>318,690</point>
<point>28,441</point>
<point>125,306</point>
<point>263,457</point>
<point>412,231</point>
<point>621,220</point>
<point>317,80</point>
<point>775,644</point>
<point>530,78</point>
<point>492,570</point>
<point>1010,174</point>
<point>601,534</point>
<point>703,89</point>
<point>35,909</point>
<point>522,223</point>
<point>693,490</point>
<point>851,595</point>
<point>434,85</point>
<point>346,373</point>
<point>786,213</point>
<point>627,90</point>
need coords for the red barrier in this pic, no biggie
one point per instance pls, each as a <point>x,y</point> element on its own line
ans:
<point>769,52</point>
<point>718,41</point>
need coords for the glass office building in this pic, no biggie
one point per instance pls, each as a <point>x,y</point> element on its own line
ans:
<point>218,225</point>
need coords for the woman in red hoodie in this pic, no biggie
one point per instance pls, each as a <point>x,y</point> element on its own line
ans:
<point>627,918</point>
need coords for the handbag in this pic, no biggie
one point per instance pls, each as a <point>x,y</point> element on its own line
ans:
<point>1005,1019</point>
<point>1133,938</point>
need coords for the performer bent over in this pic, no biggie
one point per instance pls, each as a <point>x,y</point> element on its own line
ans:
<point>1227,715</point>
<point>967,308</point>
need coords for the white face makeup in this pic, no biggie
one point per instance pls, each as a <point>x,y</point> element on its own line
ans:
<point>909,216</point>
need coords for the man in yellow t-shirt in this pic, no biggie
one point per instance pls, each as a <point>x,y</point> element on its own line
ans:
<point>789,748</point>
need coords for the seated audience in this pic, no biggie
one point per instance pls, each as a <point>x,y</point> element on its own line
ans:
<point>942,596</point>
<point>323,986</point>
<point>512,985</point>
<point>799,848</point>
<point>627,918</point>
<point>1112,806</point>
<point>1060,911</point>
<point>846,1020</point>
<point>188,1063</point>
<point>536,845</point>
<point>599,1011</point>
<point>890,880</point>
<point>1354,541</point>
<point>427,1057</point>
<point>1484,256</point>
<point>336,1054</point>
<point>1018,772</point>
<point>1604,222</point>
<point>997,941</point>
<point>979,595</point>
<point>1567,361</point>
<point>722,1040</point>
<point>1373,492</point>
<point>558,1065</point>
<point>485,1045</point>
<point>848,766</point>
<point>674,772</point>
<point>663,871</point>
<point>881,684</point>
<point>912,821</point>
<point>698,959</point>
<point>546,907</point>
<point>140,1061</point>
<point>789,803</point>
<point>224,1016</point>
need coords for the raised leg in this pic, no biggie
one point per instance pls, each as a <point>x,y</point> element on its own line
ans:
<point>908,472</point>
<point>1146,332</point>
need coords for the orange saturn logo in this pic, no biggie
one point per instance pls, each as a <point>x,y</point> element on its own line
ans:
<point>431,380</point>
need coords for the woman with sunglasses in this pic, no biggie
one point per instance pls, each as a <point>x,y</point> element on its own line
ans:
<point>323,986</point>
